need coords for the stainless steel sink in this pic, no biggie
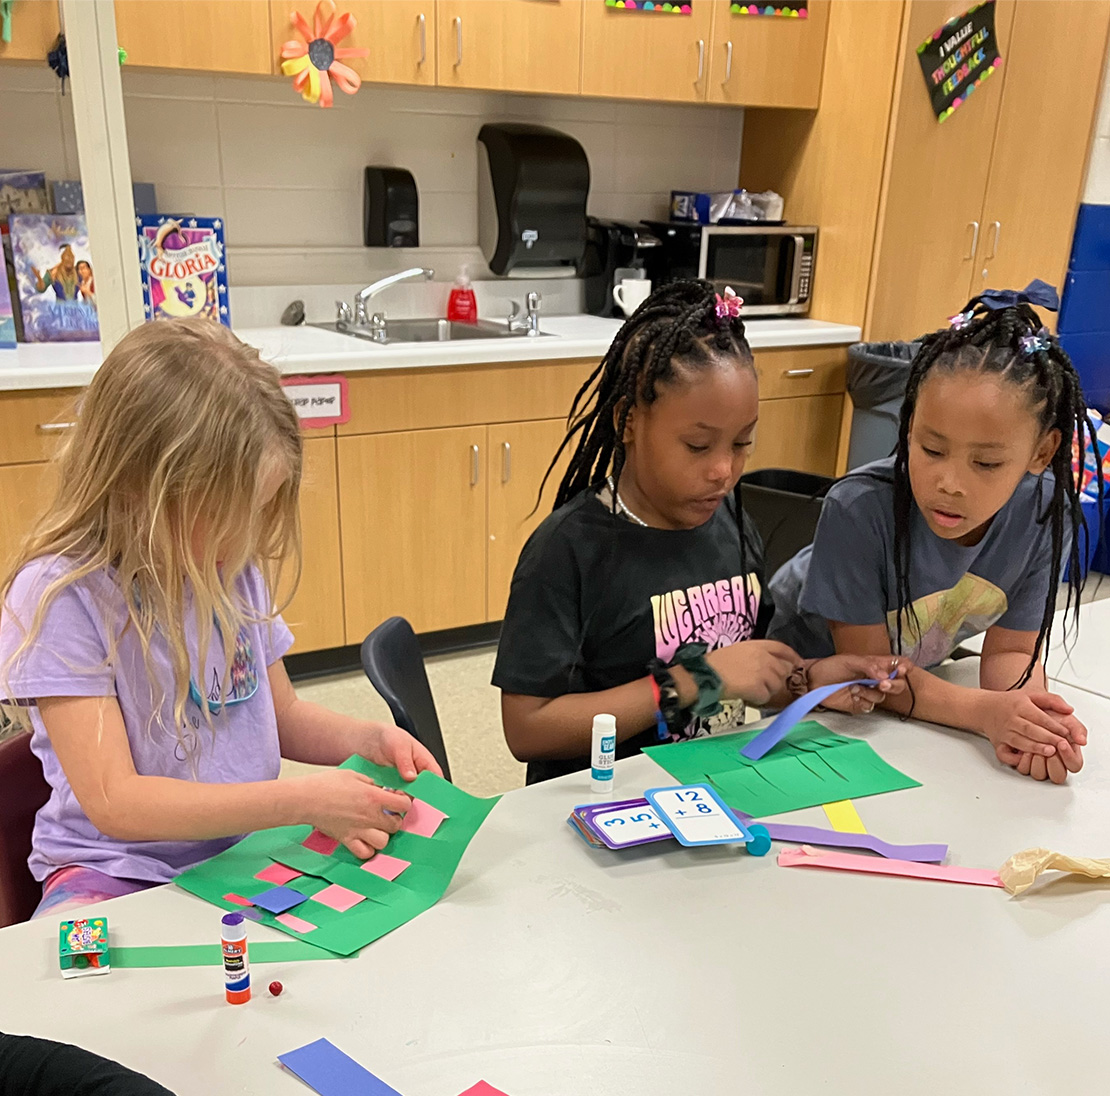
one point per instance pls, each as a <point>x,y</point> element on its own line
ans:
<point>427,330</point>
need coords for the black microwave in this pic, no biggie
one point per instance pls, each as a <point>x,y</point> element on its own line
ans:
<point>770,266</point>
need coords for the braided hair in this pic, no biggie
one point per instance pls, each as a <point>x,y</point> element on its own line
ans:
<point>1012,344</point>
<point>676,329</point>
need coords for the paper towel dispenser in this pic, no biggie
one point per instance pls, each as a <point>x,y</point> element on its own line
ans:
<point>532,189</point>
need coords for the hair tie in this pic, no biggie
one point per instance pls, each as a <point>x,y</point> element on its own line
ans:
<point>1030,344</point>
<point>728,305</point>
<point>961,319</point>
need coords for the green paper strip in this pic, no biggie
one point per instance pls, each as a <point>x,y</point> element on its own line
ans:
<point>211,955</point>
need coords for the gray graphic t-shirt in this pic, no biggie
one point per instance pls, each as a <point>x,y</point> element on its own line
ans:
<point>847,575</point>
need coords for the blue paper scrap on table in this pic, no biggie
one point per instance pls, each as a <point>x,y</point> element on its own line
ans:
<point>325,1068</point>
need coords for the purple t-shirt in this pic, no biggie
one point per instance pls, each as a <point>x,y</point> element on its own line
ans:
<point>69,658</point>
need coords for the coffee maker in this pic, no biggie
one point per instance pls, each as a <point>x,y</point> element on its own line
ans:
<point>612,246</point>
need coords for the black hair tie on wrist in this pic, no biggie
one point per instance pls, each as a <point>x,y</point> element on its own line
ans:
<point>691,657</point>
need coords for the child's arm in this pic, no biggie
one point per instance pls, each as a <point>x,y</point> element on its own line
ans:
<point>90,739</point>
<point>1011,720</point>
<point>318,736</point>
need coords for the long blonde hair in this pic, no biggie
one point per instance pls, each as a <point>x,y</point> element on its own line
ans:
<point>158,483</point>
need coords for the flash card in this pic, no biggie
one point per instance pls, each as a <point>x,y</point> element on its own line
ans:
<point>696,815</point>
<point>620,825</point>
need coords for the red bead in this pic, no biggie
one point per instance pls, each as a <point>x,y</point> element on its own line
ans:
<point>276,988</point>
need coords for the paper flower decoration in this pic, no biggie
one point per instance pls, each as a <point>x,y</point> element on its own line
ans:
<point>315,62</point>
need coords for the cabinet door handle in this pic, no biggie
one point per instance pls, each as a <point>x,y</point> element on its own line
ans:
<point>506,462</point>
<point>701,60</point>
<point>997,226</point>
<point>54,427</point>
<point>728,63</point>
<point>798,372</point>
<point>423,38</point>
<point>474,470</point>
<point>974,239</point>
<point>458,40</point>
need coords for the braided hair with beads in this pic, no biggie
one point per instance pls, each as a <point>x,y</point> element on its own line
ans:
<point>999,333</point>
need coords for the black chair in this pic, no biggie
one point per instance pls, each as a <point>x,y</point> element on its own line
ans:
<point>392,660</point>
<point>23,790</point>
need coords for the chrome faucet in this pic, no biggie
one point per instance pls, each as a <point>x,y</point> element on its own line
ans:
<point>376,322</point>
<point>531,323</point>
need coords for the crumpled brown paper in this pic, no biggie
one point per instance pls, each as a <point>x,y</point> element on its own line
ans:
<point>1018,873</point>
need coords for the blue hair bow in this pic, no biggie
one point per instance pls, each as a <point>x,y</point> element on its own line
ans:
<point>1037,293</point>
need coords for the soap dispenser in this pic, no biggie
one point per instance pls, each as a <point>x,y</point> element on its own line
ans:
<point>462,305</point>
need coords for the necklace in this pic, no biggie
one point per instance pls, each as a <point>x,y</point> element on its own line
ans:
<point>621,506</point>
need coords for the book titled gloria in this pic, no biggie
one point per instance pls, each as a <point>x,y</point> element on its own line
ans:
<point>183,267</point>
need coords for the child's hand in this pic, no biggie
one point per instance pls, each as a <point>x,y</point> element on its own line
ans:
<point>755,670</point>
<point>1024,721</point>
<point>1062,712</point>
<point>350,807</point>
<point>389,745</point>
<point>859,698</point>
<point>1056,768</point>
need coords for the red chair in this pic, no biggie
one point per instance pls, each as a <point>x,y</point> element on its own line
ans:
<point>23,790</point>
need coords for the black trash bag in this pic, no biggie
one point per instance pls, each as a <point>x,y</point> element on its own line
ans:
<point>877,375</point>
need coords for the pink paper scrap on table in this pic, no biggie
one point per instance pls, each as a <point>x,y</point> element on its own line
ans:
<point>321,843</point>
<point>422,819</point>
<point>297,924</point>
<point>809,857</point>
<point>337,898</point>
<point>386,866</point>
<point>482,1089</point>
<point>278,874</point>
<point>238,899</point>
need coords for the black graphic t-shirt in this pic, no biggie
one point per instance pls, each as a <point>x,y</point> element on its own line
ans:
<point>595,597</point>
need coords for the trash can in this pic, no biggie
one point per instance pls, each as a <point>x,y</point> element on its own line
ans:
<point>785,506</point>
<point>877,374</point>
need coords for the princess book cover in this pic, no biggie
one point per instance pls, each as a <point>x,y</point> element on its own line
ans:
<point>183,267</point>
<point>54,277</point>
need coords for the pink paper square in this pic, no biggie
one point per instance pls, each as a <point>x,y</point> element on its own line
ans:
<point>277,874</point>
<point>297,924</point>
<point>388,867</point>
<point>238,899</point>
<point>337,898</point>
<point>422,819</point>
<point>320,842</point>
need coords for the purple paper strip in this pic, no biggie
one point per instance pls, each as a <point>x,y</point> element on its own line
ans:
<point>814,835</point>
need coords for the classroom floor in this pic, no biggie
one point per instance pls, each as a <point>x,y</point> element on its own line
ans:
<point>470,713</point>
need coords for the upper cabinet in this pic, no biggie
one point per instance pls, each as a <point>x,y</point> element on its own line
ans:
<point>767,61</point>
<point>34,28</point>
<point>399,35</point>
<point>509,45</point>
<point>634,54</point>
<point>200,35</point>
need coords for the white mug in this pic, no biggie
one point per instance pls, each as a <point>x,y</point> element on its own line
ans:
<point>630,293</point>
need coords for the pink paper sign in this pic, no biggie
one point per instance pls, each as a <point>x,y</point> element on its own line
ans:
<point>809,857</point>
<point>277,874</point>
<point>297,924</point>
<point>318,400</point>
<point>338,898</point>
<point>422,819</point>
<point>321,843</point>
<point>388,867</point>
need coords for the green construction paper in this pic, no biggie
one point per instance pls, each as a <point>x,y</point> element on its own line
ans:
<point>812,765</point>
<point>211,955</point>
<point>433,862</point>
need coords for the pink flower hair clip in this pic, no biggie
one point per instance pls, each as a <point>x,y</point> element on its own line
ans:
<point>961,320</point>
<point>729,305</point>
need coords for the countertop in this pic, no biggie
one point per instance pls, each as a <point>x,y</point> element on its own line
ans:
<point>313,350</point>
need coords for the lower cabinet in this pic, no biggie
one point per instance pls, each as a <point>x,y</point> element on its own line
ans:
<point>801,432</point>
<point>25,491</point>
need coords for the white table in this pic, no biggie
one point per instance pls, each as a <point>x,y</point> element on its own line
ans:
<point>551,969</point>
<point>1083,660</point>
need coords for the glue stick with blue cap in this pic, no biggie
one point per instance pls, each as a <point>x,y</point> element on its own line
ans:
<point>603,753</point>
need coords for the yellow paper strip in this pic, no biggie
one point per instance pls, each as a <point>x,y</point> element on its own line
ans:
<point>843,818</point>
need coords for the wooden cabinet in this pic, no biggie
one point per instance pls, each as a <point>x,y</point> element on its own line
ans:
<point>519,454</point>
<point>800,432</point>
<point>33,423</point>
<point>25,491</point>
<point>34,29</point>
<point>646,55</point>
<point>199,35</point>
<point>767,61</point>
<point>413,528</point>
<point>509,45</point>
<point>400,35</point>
<point>315,614</point>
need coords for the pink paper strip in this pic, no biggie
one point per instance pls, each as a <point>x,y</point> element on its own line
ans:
<point>338,898</point>
<point>482,1088</point>
<point>809,857</point>
<point>388,867</point>
<point>320,842</point>
<point>238,899</point>
<point>422,819</point>
<point>297,924</point>
<point>277,874</point>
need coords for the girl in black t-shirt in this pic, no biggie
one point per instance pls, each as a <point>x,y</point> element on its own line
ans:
<point>634,595</point>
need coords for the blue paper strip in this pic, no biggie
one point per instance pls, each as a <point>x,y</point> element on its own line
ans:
<point>791,715</point>
<point>325,1068</point>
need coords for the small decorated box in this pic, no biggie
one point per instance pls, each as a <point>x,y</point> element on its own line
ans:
<point>83,947</point>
